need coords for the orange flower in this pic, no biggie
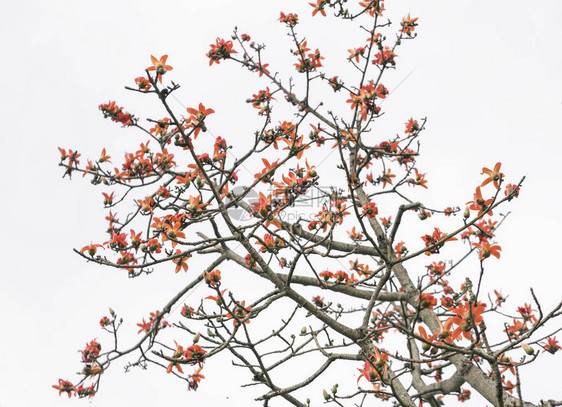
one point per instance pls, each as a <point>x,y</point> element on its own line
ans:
<point>240,313</point>
<point>180,262</point>
<point>289,19</point>
<point>551,345</point>
<point>268,171</point>
<point>467,317</point>
<point>64,387</point>
<point>386,178</point>
<point>108,199</point>
<point>493,175</point>
<point>221,50</point>
<point>173,233</point>
<point>423,333</point>
<point>194,205</point>
<point>159,66</point>
<point>354,234</point>
<point>427,301</point>
<point>217,298</point>
<point>375,367</point>
<point>419,180</point>
<point>197,119</point>
<point>143,83</point>
<point>263,206</point>
<point>370,210</point>
<point>195,379</point>
<point>319,7</point>
<point>486,250</point>
<point>213,278</point>
<point>104,157</point>
<point>408,25</point>
<point>479,204</point>
<point>356,53</point>
<point>177,356</point>
<point>373,7</point>
<point>500,299</point>
<point>400,250</point>
<point>296,146</point>
<point>91,249</point>
<point>270,244</point>
<point>435,237</point>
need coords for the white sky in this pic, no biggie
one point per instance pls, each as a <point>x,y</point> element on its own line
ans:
<point>486,74</point>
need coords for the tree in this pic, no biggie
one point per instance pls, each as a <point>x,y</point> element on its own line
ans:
<point>330,260</point>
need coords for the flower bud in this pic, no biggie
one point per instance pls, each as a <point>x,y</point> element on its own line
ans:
<point>528,349</point>
<point>200,182</point>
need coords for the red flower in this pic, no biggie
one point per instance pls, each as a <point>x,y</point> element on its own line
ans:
<point>551,345</point>
<point>91,352</point>
<point>432,239</point>
<point>187,311</point>
<point>400,250</point>
<point>195,379</point>
<point>220,50</point>
<point>427,301</point>
<point>467,317</point>
<point>370,210</point>
<point>116,114</point>
<point>270,244</point>
<point>386,222</point>
<point>213,278</point>
<point>512,191</point>
<point>412,127</point>
<point>289,19</point>
<point>104,322</point>
<point>464,395</point>
<point>318,301</point>
<point>143,83</point>
<point>64,387</point>
<point>385,57</point>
